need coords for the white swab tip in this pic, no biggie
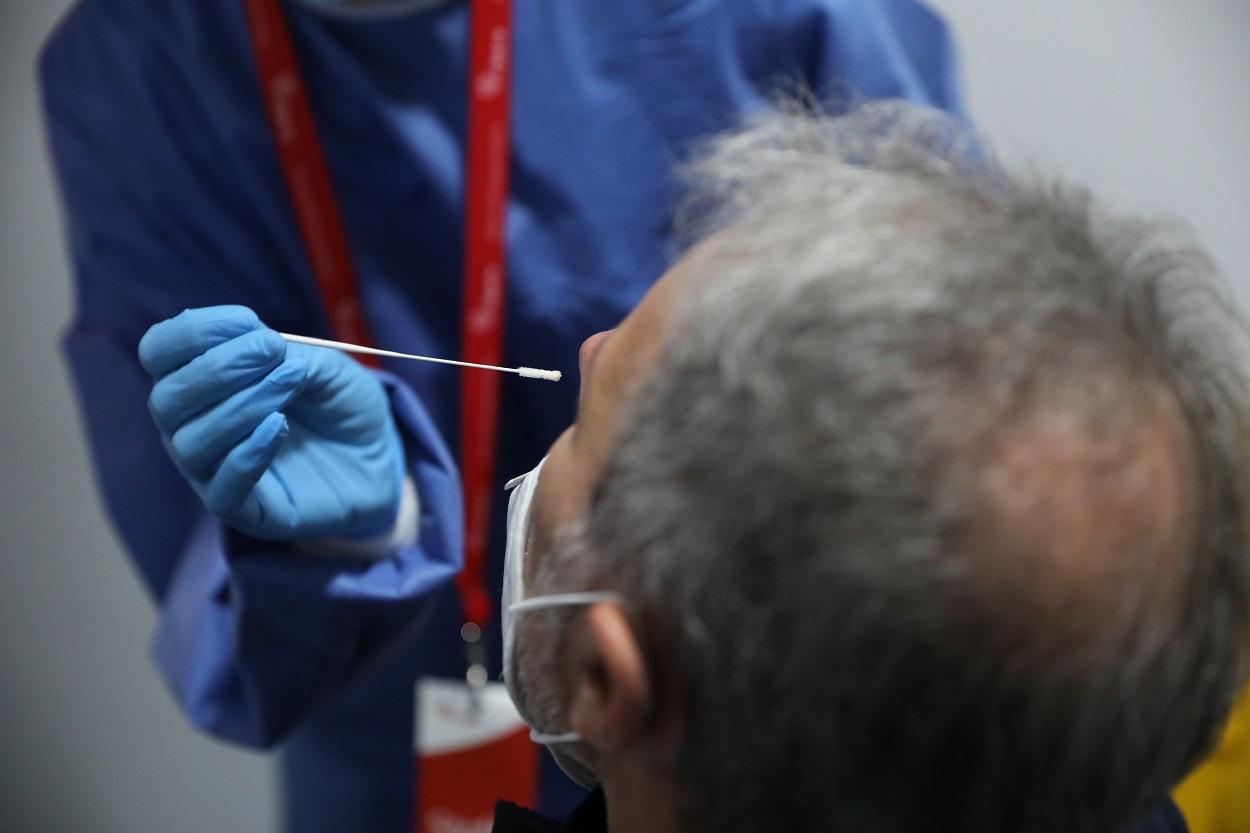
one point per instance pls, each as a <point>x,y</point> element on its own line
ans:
<point>535,373</point>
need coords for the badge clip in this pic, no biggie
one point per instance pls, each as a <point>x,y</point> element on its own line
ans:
<point>476,675</point>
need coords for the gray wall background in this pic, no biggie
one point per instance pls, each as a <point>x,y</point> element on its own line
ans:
<point>1147,100</point>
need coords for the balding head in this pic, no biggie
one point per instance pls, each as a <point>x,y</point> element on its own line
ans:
<point>1086,510</point>
<point>932,509</point>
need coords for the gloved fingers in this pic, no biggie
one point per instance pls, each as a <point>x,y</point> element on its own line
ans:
<point>341,396</point>
<point>213,376</point>
<point>204,440</point>
<point>227,492</point>
<point>170,344</point>
<point>268,512</point>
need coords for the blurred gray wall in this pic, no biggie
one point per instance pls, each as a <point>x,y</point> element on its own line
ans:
<point>1146,100</point>
<point>89,740</point>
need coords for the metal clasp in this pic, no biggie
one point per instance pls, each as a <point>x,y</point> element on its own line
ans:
<point>476,675</point>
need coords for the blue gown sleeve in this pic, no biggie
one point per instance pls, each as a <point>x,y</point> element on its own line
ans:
<point>854,51</point>
<point>251,635</point>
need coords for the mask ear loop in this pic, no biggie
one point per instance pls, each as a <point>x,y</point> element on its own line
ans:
<point>586,597</point>
<point>554,740</point>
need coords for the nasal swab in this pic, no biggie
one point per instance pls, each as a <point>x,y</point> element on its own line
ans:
<point>527,372</point>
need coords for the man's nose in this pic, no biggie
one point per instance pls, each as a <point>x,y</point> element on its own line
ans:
<point>587,351</point>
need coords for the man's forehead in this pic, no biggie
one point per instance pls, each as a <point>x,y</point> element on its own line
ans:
<point>623,361</point>
<point>633,350</point>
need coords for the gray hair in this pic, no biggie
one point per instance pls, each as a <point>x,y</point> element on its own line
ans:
<point>933,510</point>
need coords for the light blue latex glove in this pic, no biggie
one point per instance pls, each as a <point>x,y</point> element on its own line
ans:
<point>281,441</point>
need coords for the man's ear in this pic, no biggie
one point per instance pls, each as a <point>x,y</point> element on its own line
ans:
<point>612,692</point>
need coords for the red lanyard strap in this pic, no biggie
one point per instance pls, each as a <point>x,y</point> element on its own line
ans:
<point>485,281</point>
<point>321,227</point>
<point>306,173</point>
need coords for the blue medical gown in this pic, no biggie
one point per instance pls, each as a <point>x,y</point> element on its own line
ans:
<point>173,198</point>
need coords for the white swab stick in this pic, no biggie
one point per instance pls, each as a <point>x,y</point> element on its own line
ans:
<point>527,372</point>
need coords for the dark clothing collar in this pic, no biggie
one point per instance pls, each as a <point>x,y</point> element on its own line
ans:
<point>591,816</point>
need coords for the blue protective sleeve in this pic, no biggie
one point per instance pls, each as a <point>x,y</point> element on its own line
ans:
<point>249,641</point>
<point>251,635</point>
<point>856,51</point>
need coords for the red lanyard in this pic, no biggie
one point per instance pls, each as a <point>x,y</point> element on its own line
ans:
<point>485,282</point>
<point>321,226</point>
<point>304,168</point>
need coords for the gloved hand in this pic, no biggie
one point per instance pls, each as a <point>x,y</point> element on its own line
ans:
<point>281,441</point>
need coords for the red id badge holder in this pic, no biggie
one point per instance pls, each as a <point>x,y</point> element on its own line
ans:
<point>472,750</point>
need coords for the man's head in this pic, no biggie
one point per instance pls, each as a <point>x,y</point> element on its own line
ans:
<point>923,488</point>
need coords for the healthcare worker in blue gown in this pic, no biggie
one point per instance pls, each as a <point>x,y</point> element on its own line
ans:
<point>257,458</point>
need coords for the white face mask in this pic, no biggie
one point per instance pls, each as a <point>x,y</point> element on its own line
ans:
<point>514,602</point>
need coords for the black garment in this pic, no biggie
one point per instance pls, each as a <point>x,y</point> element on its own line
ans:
<point>1166,818</point>
<point>591,816</point>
